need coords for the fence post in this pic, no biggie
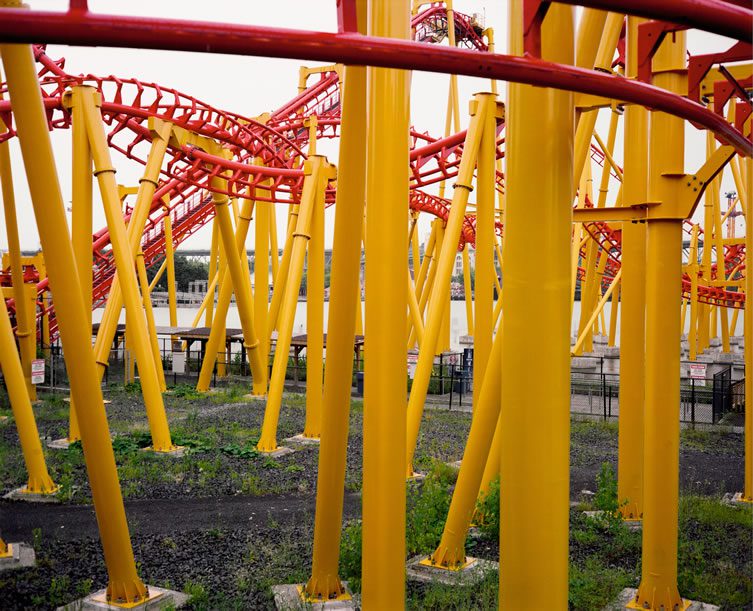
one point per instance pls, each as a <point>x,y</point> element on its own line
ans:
<point>604,394</point>
<point>692,403</point>
<point>452,383</point>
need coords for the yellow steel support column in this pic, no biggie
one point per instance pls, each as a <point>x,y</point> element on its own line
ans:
<point>281,278</point>
<point>613,311</point>
<point>124,261</point>
<point>748,344</point>
<point>633,294</point>
<point>721,273</point>
<point>661,438</point>
<point>273,248</point>
<point>450,553</point>
<point>160,131</point>
<point>233,279</point>
<point>387,192</point>
<point>468,287</point>
<point>414,312</point>
<point>167,224</point>
<point>693,273</point>
<point>443,339</point>
<point>483,103</point>
<point>124,585</point>
<point>81,219</point>
<point>25,327</point>
<point>213,273</point>
<point>262,230</point>
<point>485,242</point>
<point>540,131</point>
<point>150,324</point>
<point>39,481</point>
<point>317,171</point>
<point>315,320</point>
<point>345,293</point>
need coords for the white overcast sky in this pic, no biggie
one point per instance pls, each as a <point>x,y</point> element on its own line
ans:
<point>250,85</point>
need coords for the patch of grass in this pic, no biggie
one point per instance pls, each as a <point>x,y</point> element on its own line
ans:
<point>594,584</point>
<point>350,555</point>
<point>487,511</point>
<point>198,593</point>
<point>441,597</point>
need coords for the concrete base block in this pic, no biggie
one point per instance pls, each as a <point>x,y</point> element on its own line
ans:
<point>631,524</point>
<point>59,444</point>
<point>176,453</point>
<point>628,595</point>
<point>105,401</point>
<point>20,494</point>
<point>277,452</point>
<point>288,597</point>
<point>159,598</point>
<point>301,440</point>
<point>251,396</point>
<point>736,499</point>
<point>21,556</point>
<point>456,464</point>
<point>416,477</point>
<point>474,571</point>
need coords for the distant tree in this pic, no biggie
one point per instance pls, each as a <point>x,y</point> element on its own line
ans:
<point>185,271</point>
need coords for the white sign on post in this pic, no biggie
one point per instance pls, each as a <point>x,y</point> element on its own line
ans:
<point>412,362</point>
<point>698,371</point>
<point>179,362</point>
<point>37,371</point>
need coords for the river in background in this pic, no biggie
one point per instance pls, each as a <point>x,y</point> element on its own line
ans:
<point>458,322</point>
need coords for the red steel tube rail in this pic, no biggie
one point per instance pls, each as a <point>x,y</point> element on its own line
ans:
<point>79,27</point>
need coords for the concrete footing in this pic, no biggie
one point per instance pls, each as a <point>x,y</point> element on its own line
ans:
<point>288,597</point>
<point>301,440</point>
<point>20,494</point>
<point>628,595</point>
<point>736,499</point>
<point>159,598</point>
<point>631,524</point>
<point>473,572</point>
<point>176,453</point>
<point>59,444</point>
<point>21,556</point>
<point>455,464</point>
<point>280,451</point>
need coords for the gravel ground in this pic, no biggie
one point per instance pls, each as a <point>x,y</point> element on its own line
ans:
<point>225,527</point>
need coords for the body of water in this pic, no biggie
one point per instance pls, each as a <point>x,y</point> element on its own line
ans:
<point>458,322</point>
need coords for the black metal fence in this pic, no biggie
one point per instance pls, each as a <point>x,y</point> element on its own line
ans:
<point>702,401</point>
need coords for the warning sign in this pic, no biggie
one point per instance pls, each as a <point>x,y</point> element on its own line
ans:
<point>412,362</point>
<point>37,371</point>
<point>698,371</point>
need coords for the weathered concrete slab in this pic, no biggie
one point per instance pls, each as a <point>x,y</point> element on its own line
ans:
<point>21,556</point>
<point>178,452</point>
<point>280,451</point>
<point>628,595</point>
<point>473,572</point>
<point>59,444</point>
<point>302,440</point>
<point>20,494</point>
<point>159,598</point>
<point>288,597</point>
<point>736,498</point>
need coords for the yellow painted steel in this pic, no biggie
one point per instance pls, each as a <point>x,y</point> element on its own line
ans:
<point>428,284</point>
<point>25,330</point>
<point>483,103</point>
<point>213,273</point>
<point>534,485</point>
<point>613,311</point>
<point>316,170</point>
<point>450,553</point>
<point>384,439</point>
<point>124,260</point>
<point>598,310</point>
<point>345,293</point>
<point>39,481</point>
<point>160,131</point>
<point>281,278</point>
<point>720,270</point>
<point>220,353</point>
<point>693,271</point>
<point>124,584</point>
<point>658,586</point>
<point>172,303</point>
<point>426,260</point>
<point>158,275</point>
<point>748,343</point>
<point>262,235</point>
<point>81,219</point>
<point>485,242</point>
<point>415,313</point>
<point>633,296</point>
<point>150,324</point>
<point>273,248</point>
<point>468,289</point>
<point>233,279</point>
<point>315,319</point>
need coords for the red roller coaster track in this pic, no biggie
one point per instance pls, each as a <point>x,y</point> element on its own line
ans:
<point>279,141</point>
